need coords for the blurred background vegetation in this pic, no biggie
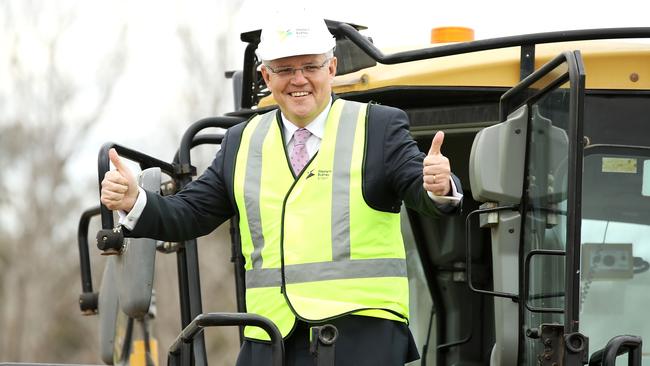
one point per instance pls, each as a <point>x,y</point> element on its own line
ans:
<point>73,75</point>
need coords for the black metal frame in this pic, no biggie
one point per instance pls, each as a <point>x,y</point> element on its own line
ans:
<point>574,189</point>
<point>88,299</point>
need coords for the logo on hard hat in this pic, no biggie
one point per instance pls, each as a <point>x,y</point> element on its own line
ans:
<point>283,34</point>
<point>299,33</point>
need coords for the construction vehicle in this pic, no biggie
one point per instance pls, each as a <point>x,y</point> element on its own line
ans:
<point>548,264</point>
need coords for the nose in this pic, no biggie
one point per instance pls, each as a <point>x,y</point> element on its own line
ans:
<point>298,77</point>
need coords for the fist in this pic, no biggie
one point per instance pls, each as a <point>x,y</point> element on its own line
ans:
<point>119,188</point>
<point>436,170</point>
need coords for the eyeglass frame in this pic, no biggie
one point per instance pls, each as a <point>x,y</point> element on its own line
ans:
<point>286,72</point>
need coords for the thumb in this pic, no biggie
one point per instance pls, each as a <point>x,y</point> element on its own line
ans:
<point>117,162</point>
<point>436,144</point>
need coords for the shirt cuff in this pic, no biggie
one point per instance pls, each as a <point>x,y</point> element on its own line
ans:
<point>129,220</point>
<point>453,200</point>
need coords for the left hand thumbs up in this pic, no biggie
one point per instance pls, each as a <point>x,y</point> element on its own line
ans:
<point>436,172</point>
<point>436,143</point>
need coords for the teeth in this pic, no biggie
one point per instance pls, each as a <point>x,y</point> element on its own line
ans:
<point>299,94</point>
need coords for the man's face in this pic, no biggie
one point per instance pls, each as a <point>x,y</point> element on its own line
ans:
<point>301,95</point>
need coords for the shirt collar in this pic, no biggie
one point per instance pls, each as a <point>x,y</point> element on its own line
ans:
<point>316,127</point>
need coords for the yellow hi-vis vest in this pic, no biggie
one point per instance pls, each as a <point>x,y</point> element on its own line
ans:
<point>314,249</point>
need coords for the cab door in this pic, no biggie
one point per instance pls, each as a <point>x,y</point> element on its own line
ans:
<point>527,171</point>
<point>549,246</point>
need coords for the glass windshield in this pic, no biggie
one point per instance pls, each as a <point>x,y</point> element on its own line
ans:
<point>545,221</point>
<point>615,276</point>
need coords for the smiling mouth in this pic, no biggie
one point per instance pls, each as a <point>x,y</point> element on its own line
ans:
<point>300,94</point>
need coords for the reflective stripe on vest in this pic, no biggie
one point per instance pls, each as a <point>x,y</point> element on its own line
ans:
<point>337,254</point>
<point>298,273</point>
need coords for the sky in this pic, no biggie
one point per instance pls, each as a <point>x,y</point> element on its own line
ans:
<point>394,23</point>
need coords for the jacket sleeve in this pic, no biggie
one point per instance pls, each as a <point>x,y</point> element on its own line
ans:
<point>402,163</point>
<point>196,210</point>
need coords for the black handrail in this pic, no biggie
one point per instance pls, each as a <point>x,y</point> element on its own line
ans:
<point>506,106</point>
<point>486,44</point>
<point>88,298</point>
<point>617,346</point>
<point>228,319</point>
<point>185,170</point>
<point>204,139</point>
<point>468,251</point>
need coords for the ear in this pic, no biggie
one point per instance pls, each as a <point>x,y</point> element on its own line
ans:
<point>332,67</point>
<point>265,74</point>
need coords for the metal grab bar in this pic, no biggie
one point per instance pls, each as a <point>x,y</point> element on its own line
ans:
<point>617,346</point>
<point>228,319</point>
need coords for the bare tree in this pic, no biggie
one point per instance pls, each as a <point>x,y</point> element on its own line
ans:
<point>41,125</point>
<point>40,196</point>
<point>206,92</point>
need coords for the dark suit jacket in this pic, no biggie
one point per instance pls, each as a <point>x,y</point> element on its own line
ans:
<point>392,174</point>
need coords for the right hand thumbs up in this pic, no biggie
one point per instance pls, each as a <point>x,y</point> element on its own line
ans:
<point>119,188</point>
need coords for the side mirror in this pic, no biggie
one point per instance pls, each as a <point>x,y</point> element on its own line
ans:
<point>496,163</point>
<point>498,156</point>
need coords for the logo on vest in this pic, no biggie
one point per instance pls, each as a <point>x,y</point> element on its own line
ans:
<point>320,174</point>
<point>324,174</point>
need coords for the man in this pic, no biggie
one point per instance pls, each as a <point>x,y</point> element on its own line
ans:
<point>317,187</point>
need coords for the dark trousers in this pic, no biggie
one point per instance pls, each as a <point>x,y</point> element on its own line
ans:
<point>361,341</point>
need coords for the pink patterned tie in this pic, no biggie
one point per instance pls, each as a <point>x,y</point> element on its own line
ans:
<point>299,155</point>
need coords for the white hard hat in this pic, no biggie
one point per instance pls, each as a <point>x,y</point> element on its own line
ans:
<point>293,35</point>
